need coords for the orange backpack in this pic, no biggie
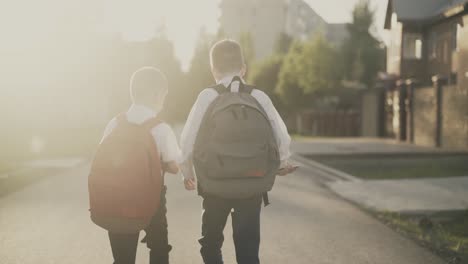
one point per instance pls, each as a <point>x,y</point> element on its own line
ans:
<point>126,178</point>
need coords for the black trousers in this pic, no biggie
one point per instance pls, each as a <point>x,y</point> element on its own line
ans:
<point>245,214</point>
<point>124,246</point>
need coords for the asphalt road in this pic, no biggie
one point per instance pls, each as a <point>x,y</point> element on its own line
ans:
<point>48,222</point>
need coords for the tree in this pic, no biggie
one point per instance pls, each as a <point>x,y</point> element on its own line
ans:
<point>308,69</point>
<point>265,74</point>
<point>362,54</point>
<point>159,52</point>
<point>318,70</point>
<point>283,43</point>
<point>289,88</point>
<point>248,48</point>
<point>198,76</point>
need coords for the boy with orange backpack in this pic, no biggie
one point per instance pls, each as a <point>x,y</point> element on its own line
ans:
<point>126,182</point>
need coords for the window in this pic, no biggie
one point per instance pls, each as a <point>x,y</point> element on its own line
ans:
<point>456,33</point>
<point>412,46</point>
<point>394,20</point>
<point>432,49</point>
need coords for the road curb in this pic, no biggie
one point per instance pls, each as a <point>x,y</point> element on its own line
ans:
<point>333,174</point>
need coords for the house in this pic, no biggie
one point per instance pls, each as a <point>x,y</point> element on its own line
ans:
<point>426,38</point>
<point>427,100</point>
<point>265,20</point>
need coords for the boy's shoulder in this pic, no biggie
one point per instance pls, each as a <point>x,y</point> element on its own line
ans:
<point>162,130</point>
<point>208,93</point>
<point>163,127</point>
<point>261,96</point>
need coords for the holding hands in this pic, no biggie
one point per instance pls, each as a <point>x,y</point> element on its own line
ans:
<point>190,184</point>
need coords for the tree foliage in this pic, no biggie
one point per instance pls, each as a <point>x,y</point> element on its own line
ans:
<point>308,67</point>
<point>283,43</point>
<point>289,88</point>
<point>362,54</point>
<point>198,76</point>
<point>248,48</point>
<point>265,75</point>
<point>318,66</point>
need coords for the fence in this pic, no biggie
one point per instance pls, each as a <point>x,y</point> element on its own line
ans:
<point>434,115</point>
<point>334,123</point>
<point>425,112</point>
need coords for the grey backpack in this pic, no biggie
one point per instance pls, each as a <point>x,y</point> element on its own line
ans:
<point>235,152</point>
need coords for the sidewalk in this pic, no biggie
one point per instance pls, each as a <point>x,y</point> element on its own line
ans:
<point>408,195</point>
<point>364,146</point>
<point>28,173</point>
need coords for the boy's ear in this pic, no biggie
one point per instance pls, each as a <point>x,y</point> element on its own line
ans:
<point>243,70</point>
<point>214,73</point>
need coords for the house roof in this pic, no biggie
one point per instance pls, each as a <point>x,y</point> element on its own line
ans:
<point>419,10</point>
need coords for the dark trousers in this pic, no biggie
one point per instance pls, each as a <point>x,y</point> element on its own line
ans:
<point>124,246</point>
<point>245,214</point>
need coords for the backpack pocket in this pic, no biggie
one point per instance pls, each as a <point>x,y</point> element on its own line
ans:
<point>236,161</point>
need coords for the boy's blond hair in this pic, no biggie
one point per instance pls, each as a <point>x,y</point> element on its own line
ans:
<point>147,82</point>
<point>226,57</point>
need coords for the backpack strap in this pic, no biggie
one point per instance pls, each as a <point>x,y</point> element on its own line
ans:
<point>248,88</point>
<point>219,88</point>
<point>243,88</point>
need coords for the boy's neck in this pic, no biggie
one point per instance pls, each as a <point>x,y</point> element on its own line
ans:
<point>154,108</point>
<point>227,78</point>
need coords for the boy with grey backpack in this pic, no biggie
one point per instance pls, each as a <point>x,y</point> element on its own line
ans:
<point>237,143</point>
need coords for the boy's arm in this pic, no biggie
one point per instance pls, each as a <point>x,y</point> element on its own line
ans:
<point>283,136</point>
<point>284,141</point>
<point>279,127</point>
<point>190,131</point>
<point>168,147</point>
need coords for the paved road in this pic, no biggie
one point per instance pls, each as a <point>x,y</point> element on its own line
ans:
<point>48,223</point>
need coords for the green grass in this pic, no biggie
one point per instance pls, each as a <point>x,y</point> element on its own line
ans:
<point>400,167</point>
<point>448,236</point>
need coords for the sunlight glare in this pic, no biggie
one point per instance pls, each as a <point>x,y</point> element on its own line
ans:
<point>181,20</point>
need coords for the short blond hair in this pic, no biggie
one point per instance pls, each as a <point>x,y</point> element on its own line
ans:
<point>226,56</point>
<point>147,81</point>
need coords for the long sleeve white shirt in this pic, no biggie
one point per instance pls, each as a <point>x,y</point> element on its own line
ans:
<point>163,135</point>
<point>205,98</point>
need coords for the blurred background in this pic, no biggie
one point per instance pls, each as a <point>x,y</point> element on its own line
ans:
<point>66,64</point>
<point>341,68</point>
<point>374,94</point>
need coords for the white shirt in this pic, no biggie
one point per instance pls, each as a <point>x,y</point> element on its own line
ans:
<point>163,135</point>
<point>205,98</point>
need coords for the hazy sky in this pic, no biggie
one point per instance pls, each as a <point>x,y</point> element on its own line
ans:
<point>23,22</point>
<point>185,18</point>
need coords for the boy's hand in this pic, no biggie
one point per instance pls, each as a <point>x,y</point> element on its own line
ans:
<point>171,167</point>
<point>288,169</point>
<point>190,184</point>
